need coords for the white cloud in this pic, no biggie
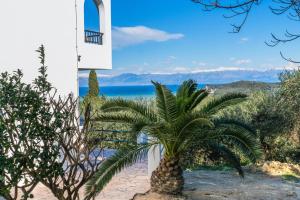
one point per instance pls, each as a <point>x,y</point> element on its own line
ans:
<point>218,69</point>
<point>288,66</point>
<point>202,64</point>
<point>184,70</point>
<point>242,61</point>
<point>180,69</point>
<point>172,57</point>
<point>244,40</point>
<point>127,36</point>
<point>85,74</point>
<point>291,66</point>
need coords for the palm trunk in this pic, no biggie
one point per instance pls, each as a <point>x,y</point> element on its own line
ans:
<point>167,178</point>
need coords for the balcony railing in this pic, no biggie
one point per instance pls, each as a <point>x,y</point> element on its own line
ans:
<point>93,37</point>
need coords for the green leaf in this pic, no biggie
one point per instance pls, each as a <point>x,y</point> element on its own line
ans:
<point>165,102</point>
<point>228,155</point>
<point>223,102</point>
<point>116,105</point>
<point>113,165</point>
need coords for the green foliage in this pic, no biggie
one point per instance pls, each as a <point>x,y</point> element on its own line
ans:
<point>180,123</point>
<point>28,122</point>
<point>111,166</point>
<point>247,87</point>
<point>93,84</point>
<point>271,113</point>
<point>112,135</point>
<point>289,97</point>
<point>41,140</point>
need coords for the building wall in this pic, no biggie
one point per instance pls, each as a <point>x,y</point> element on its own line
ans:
<point>25,25</point>
<point>91,54</point>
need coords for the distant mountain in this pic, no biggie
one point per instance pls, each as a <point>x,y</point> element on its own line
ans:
<point>216,77</point>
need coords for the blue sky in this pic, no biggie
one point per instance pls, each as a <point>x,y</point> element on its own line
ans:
<point>177,36</point>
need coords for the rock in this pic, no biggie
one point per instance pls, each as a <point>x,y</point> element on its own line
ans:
<point>291,194</point>
<point>276,168</point>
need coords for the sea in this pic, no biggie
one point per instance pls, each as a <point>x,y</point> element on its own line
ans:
<point>129,92</point>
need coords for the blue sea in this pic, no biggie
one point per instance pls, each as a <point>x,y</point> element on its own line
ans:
<point>128,92</point>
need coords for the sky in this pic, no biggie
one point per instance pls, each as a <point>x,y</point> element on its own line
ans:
<point>177,36</point>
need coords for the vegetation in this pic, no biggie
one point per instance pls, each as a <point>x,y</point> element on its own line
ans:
<point>27,123</point>
<point>41,140</point>
<point>175,122</point>
<point>93,84</point>
<point>247,87</point>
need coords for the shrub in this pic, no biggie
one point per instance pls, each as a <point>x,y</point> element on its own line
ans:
<point>28,123</point>
<point>41,140</point>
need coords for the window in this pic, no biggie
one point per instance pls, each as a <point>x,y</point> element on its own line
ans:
<point>93,21</point>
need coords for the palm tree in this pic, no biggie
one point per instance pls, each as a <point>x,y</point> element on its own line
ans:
<point>175,122</point>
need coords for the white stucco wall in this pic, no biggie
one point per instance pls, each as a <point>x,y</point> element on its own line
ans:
<point>90,53</point>
<point>25,25</point>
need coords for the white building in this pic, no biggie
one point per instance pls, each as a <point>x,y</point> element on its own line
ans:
<point>59,26</point>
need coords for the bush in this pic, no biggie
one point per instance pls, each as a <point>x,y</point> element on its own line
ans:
<point>41,140</point>
<point>28,123</point>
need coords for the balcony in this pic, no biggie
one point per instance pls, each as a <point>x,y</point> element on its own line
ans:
<point>93,37</point>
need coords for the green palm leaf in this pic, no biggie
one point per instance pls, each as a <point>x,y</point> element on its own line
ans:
<point>234,123</point>
<point>228,155</point>
<point>113,165</point>
<point>243,140</point>
<point>127,118</point>
<point>165,102</point>
<point>197,98</point>
<point>115,105</point>
<point>186,89</point>
<point>186,124</point>
<point>223,102</point>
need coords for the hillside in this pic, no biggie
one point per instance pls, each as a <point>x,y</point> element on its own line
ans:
<point>214,77</point>
<point>243,86</point>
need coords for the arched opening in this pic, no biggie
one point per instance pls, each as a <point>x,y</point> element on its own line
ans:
<point>93,21</point>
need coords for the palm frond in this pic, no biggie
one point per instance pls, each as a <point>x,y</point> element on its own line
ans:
<point>191,122</point>
<point>186,89</point>
<point>223,102</point>
<point>234,123</point>
<point>127,118</point>
<point>243,140</point>
<point>197,98</point>
<point>123,158</point>
<point>165,102</point>
<point>188,97</point>
<point>228,155</point>
<point>115,105</point>
<point>187,128</point>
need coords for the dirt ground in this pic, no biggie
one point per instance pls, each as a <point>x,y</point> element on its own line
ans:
<point>227,185</point>
<point>264,183</point>
<point>260,183</point>
<point>219,185</point>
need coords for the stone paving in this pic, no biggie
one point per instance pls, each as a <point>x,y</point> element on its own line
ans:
<point>129,182</point>
<point>122,187</point>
